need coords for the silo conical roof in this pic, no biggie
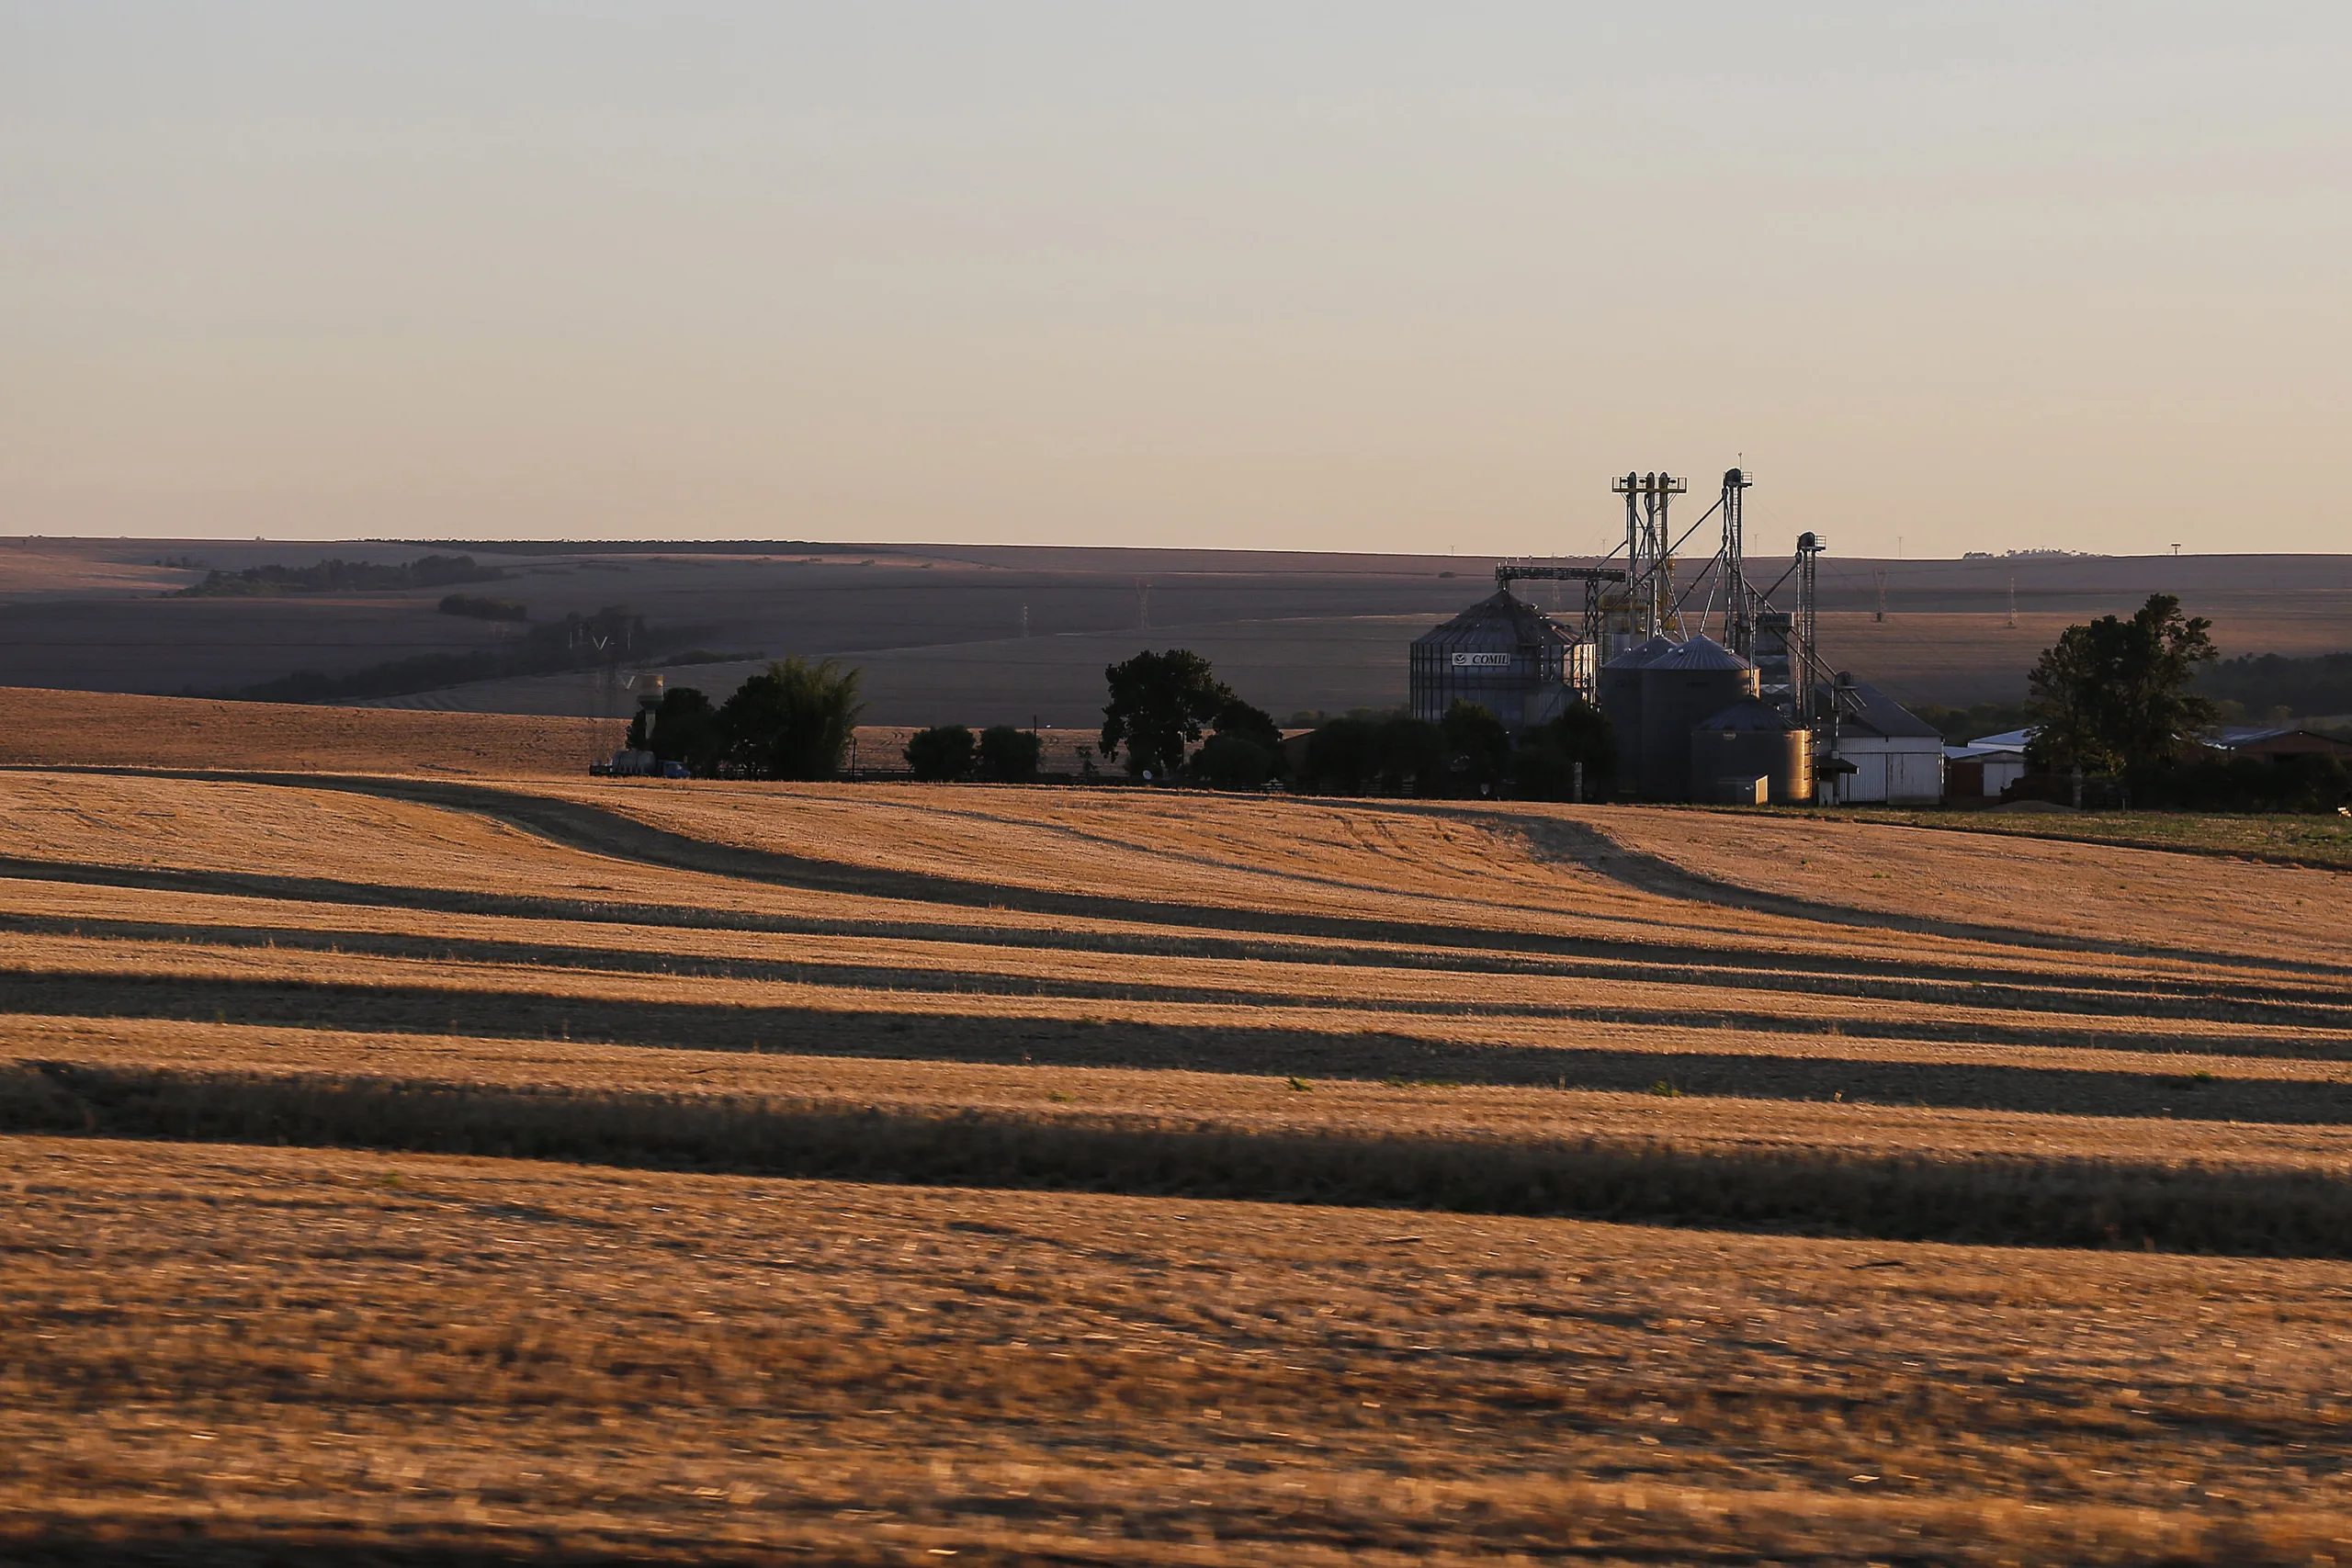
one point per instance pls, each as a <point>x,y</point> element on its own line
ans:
<point>1500,618</point>
<point>1643,654</point>
<point>1679,688</point>
<point>1748,714</point>
<point>1698,653</point>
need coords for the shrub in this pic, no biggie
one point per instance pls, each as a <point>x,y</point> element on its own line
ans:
<point>1244,751</point>
<point>1361,754</point>
<point>1242,722</point>
<point>2310,783</point>
<point>1009,755</point>
<point>1227,761</point>
<point>942,754</point>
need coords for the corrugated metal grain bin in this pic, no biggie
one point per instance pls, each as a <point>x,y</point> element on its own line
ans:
<point>1620,692</point>
<point>1502,653</point>
<point>1679,688</point>
<point>1751,739</point>
<point>1741,789</point>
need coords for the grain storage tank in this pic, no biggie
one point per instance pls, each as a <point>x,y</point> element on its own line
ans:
<point>1620,687</point>
<point>648,690</point>
<point>1502,653</point>
<point>1748,740</point>
<point>1680,687</point>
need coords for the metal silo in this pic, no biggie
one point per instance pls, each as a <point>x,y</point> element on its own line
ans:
<point>1621,698</point>
<point>1751,739</point>
<point>1502,653</point>
<point>1679,688</point>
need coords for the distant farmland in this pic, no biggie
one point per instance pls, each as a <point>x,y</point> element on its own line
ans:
<point>939,629</point>
<point>1333,665</point>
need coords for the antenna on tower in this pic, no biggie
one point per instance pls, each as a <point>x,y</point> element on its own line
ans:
<point>1809,548</point>
<point>1649,545</point>
<point>1739,604</point>
<point>605,673</point>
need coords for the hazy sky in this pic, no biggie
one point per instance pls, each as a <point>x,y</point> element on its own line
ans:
<point>1364,276</point>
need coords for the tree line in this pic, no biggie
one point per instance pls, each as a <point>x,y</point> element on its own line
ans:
<point>792,720</point>
<point>2111,699</point>
<point>2272,685</point>
<point>613,635</point>
<point>2117,700</point>
<point>339,576</point>
<point>1169,721</point>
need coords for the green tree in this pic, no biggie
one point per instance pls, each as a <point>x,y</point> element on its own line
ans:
<point>1254,725</point>
<point>1227,761</point>
<point>792,720</point>
<point>942,754</point>
<point>1343,756</point>
<point>2113,696</point>
<point>1243,748</point>
<point>1545,767</point>
<point>1159,702</point>
<point>685,729</point>
<point>1477,746</point>
<point>2264,683</point>
<point>1009,755</point>
<point>1413,758</point>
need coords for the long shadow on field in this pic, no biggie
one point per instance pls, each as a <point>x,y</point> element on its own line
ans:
<point>2324,1012</point>
<point>1453,949</point>
<point>597,830</point>
<point>1593,849</point>
<point>1249,1051</point>
<point>2029,1201</point>
<point>608,832</point>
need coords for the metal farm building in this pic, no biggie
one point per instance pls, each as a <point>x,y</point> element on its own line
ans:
<point>1750,714</point>
<point>1749,753</point>
<point>1680,687</point>
<point>1502,653</point>
<point>1898,758</point>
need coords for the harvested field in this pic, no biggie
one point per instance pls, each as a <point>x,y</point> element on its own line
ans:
<point>424,1359</point>
<point>2324,841</point>
<point>109,729</point>
<point>2218,904</point>
<point>407,1168</point>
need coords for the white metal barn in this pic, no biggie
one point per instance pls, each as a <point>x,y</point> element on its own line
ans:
<point>1898,758</point>
<point>1982,769</point>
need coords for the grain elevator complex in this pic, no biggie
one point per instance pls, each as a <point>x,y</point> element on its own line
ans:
<point>1714,691</point>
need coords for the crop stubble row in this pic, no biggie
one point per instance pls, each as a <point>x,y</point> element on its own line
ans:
<point>887,1370</point>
